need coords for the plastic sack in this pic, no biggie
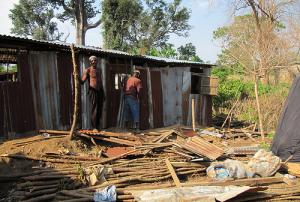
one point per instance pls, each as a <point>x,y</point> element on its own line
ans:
<point>229,169</point>
<point>264,163</point>
<point>108,194</point>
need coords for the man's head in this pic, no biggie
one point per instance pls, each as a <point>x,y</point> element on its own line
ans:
<point>93,60</point>
<point>136,73</point>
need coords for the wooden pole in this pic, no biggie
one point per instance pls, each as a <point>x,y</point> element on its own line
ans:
<point>258,108</point>
<point>76,83</point>
<point>193,114</point>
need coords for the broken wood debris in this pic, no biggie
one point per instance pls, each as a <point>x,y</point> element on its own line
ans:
<point>158,159</point>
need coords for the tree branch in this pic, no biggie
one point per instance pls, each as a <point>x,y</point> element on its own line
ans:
<point>94,25</point>
<point>66,8</point>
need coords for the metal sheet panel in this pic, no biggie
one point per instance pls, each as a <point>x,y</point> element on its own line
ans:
<point>172,82</point>
<point>16,102</point>
<point>65,74</point>
<point>157,99</point>
<point>113,94</point>
<point>144,106</point>
<point>24,115</point>
<point>45,89</point>
<point>205,116</point>
<point>85,103</point>
<point>186,91</point>
<point>203,148</point>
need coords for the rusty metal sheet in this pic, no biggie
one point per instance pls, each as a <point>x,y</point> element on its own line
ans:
<point>16,102</point>
<point>144,106</point>
<point>205,112</point>
<point>157,99</point>
<point>113,94</point>
<point>45,89</point>
<point>203,148</point>
<point>65,70</point>
<point>24,116</point>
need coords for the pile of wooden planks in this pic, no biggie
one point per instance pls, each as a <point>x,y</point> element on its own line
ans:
<point>158,159</point>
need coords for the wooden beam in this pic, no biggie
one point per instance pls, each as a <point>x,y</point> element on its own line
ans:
<point>173,173</point>
<point>241,182</point>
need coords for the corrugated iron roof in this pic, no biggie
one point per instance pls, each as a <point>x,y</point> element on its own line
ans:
<point>203,148</point>
<point>170,60</point>
<point>100,50</point>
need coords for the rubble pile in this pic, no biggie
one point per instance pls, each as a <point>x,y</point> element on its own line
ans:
<point>156,160</point>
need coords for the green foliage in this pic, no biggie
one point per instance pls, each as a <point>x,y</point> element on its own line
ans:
<point>221,73</point>
<point>228,90</point>
<point>118,16</point>
<point>265,146</point>
<point>188,52</point>
<point>231,89</point>
<point>34,18</point>
<point>271,135</point>
<point>166,51</point>
<point>11,68</point>
<point>80,171</point>
<point>67,9</point>
<point>140,25</point>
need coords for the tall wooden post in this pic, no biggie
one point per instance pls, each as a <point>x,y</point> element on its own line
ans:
<point>76,83</point>
<point>193,114</point>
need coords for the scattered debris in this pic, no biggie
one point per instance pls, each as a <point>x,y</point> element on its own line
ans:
<point>159,159</point>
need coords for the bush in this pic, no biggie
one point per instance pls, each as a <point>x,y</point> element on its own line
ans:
<point>228,91</point>
<point>221,73</point>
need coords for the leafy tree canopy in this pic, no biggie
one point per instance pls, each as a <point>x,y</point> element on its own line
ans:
<point>34,18</point>
<point>188,52</point>
<point>142,24</point>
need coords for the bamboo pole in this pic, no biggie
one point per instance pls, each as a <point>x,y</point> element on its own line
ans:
<point>76,83</point>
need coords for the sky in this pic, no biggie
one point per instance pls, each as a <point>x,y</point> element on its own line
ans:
<point>205,18</point>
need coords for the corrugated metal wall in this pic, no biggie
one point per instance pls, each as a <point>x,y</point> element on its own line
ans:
<point>16,103</point>
<point>157,99</point>
<point>85,112</point>
<point>177,98</point>
<point>85,103</point>
<point>42,99</point>
<point>172,82</point>
<point>114,95</point>
<point>45,88</point>
<point>144,112</point>
<point>65,80</point>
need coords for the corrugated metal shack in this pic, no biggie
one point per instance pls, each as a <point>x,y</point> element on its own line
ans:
<point>39,96</point>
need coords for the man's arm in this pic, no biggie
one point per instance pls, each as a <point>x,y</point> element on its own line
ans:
<point>84,76</point>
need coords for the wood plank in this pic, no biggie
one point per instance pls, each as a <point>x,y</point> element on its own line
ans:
<point>58,132</point>
<point>241,182</point>
<point>163,136</point>
<point>118,141</point>
<point>173,173</point>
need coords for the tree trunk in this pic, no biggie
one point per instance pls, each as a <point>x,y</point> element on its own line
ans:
<point>76,83</point>
<point>256,80</point>
<point>80,34</point>
<point>80,19</point>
